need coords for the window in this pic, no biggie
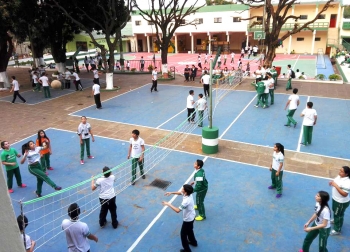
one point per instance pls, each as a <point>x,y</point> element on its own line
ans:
<point>217,20</point>
<point>259,19</point>
<point>199,42</point>
<point>317,39</point>
<point>303,17</point>
<point>183,21</point>
<point>82,44</point>
<point>300,39</point>
<point>199,21</point>
<point>322,16</point>
<point>150,23</point>
<point>236,19</point>
<point>138,22</point>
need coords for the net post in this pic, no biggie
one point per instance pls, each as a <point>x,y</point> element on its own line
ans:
<point>23,223</point>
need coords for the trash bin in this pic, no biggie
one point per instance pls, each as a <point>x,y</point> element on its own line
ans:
<point>278,69</point>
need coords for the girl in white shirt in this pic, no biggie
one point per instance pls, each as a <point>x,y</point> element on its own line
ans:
<point>276,168</point>
<point>320,221</point>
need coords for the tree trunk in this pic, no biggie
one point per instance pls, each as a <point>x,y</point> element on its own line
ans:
<point>164,57</point>
<point>270,56</point>
<point>6,49</point>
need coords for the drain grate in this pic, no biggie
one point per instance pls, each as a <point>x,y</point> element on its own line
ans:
<point>159,183</point>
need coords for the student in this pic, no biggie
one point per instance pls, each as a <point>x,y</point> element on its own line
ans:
<point>219,61</point>
<point>304,76</point>
<point>258,73</point>
<point>255,50</point>
<point>106,197</point>
<point>77,232</point>
<point>297,74</point>
<point>154,80</point>
<point>84,132</point>
<point>206,58</point>
<point>293,102</point>
<point>87,63</point>
<point>37,86</point>
<point>9,160</point>
<point>187,73</point>
<point>201,106</point>
<point>310,118</point>
<point>32,154</point>
<point>290,76</point>
<point>260,89</point>
<point>340,198</point>
<point>193,72</point>
<point>187,206</point>
<point>276,168</point>
<point>127,65</point>
<point>239,64</point>
<point>96,75</point>
<point>136,152</point>
<point>266,92</point>
<point>274,75</point>
<point>142,64</point>
<point>320,223</point>
<point>271,87</point>
<point>22,222</point>
<point>249,53</point>
<point>205,80</point>
<point>225,59</point>
<point>46,85</point>
<point>45,153</point>
<point>199,63</point>
<point>77,82</point>
<point>191,114</point>
<point>232,57</point>
<point>200,188</point>
<point>242,53</point>
<point>96,92</point>
<point>15,90</point>
<point>67,78</point>
<point>92,63</point>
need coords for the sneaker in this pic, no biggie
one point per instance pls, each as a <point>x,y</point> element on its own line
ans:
<point>132,182</point>
<point>194,244</point>
<point>333,232</point>
<point>332,221</point>
<point>103,225</point>
<point>256,106</point>
<point>199,218</point>
<point>295,124</point>
<point>58,188</point>
<point>37,194</point>
<point>302,144</point>
<point>23,185</point>
<point>81,162</point>
<point>287,125</point>
<point>301,250</point>
<point>195,207</point>
<point>143,176</point>
<point>50,168</point>
<point>10,191</point>
<point>271,187</point>
<point>264,107</point>
<point>278,195</point>
<point>91,157</point>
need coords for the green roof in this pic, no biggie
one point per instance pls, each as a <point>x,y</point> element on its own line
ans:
<point>213,8</point>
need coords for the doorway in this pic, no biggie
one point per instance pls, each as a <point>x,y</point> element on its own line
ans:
<point>139,45</point>
<point>333,21</point>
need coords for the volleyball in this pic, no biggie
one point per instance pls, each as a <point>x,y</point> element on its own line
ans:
<point>56,84</point>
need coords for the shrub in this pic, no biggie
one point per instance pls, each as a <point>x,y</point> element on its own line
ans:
<point>334,77</point>
<point>301,77</point>
<point>320,77</point>
<point>150,68</point>
<point>133,69</point>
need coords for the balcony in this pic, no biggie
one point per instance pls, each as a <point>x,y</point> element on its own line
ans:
<point>318,26</point>
<point>346,25</point>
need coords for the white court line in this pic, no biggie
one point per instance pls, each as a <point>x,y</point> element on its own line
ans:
<point>170,118</point>
<point>296,61</point>
<point>159,214</point>
<point>301,129</point>
<point>237,117</point>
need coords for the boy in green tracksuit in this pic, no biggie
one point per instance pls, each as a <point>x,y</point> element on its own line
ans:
<point>200,188</point>
<point>260,89</point>
<point>274,75</point>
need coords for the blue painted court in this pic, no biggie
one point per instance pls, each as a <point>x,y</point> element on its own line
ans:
<point>33,98</point>
<point>242,214</point>
<point>235,116</point>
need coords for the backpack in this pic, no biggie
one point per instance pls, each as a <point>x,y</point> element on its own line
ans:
<point>293,74</point>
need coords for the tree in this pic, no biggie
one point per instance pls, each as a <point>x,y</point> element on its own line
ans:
<point>218,2</point>
<point>166,18</point>
<point>7,15</point>
<point>276,16</point>
<point>106,16</point>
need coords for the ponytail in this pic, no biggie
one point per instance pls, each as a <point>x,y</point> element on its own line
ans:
<point>346,170</point>
<point>280,147</point>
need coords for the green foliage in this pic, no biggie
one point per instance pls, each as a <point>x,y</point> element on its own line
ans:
<point>301,77</point>
<point>150,68</point>
<point>133,69</point>
<point>334,77</point>
<point>292,52</point>
<point>320,77</point>
<point>217,2</point>
<point>346,12</point>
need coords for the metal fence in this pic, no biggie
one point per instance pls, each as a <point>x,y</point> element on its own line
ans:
<point>135,65</point>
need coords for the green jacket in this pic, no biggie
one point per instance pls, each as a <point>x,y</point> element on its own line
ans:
<point>201,181</point>
<point>260,87</point>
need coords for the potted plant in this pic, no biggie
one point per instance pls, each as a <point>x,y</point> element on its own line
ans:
<point>320,77</point>
<point>334,77</point>
<point>133,70</point>
<point>150,68</point>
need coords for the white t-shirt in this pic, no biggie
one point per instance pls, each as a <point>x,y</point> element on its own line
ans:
<point>289,71</point>
<point>136,145</point>
<point>255,49</point>
<point>190,101</point>
<point>324,215</point>
<point>201,104</point>
<point>266,84</point>
<point>44,81</point>
<point>16,85</point>
<point>258,73</point>
<point>154,75</point>
<point>271,83</point>
<point>28,241</point>
<point>67,75</point>
<point>96,88</point>
<point>219,58</point>
<point>95,74</point>
<point>297,75</point>
<point>206,79</point>
<point>34,155</point>
<point>76,76</point>
<point>35,78</point>
<point>293,104</point>
<point>344,184</point>
<point>187,208</point>
<point>277,158</point>
<point>76,235</point>
<point>232,55</point>
<point>106,187</point>
<point>84,130</point>
<point>309,116</point>
<point>263,72</point>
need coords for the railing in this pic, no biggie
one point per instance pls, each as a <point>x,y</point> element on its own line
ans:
<point>290,26</point>
<point>135,65</point>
